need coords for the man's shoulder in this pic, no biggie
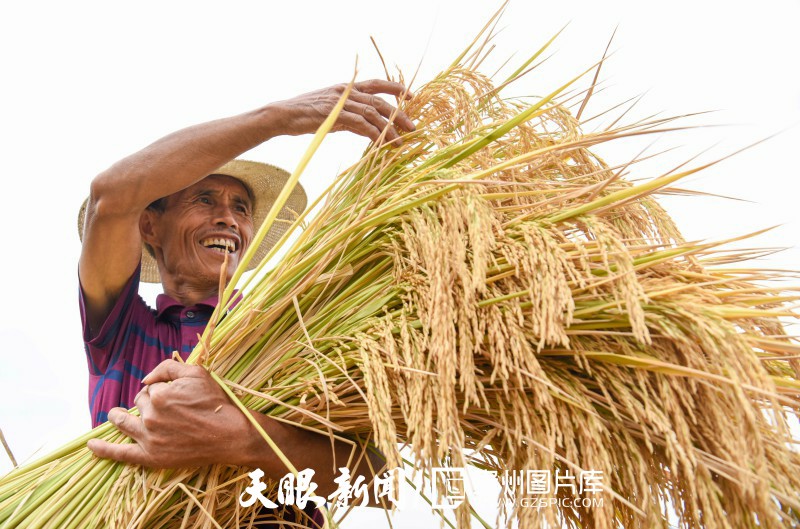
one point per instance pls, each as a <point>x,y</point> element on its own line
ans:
<point>128,307</point>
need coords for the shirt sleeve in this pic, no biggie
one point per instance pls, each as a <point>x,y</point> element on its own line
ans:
<point>107,342</point>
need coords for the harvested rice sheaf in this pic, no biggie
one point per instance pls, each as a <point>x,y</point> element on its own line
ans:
<point>492,293</point>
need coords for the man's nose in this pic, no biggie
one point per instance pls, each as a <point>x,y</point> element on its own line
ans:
<point>224,215</point>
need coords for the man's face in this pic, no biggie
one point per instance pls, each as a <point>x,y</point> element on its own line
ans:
<point>198,227</point>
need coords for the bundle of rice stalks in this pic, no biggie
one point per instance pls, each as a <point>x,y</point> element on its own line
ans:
<point>491,293</point>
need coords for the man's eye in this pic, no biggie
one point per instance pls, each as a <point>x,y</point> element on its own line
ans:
<point>204,200</point>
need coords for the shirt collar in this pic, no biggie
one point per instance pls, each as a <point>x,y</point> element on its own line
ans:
<point>165,302</point>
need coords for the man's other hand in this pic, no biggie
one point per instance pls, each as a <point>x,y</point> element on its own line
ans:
<point>185,420</point>
<point>364,112</point>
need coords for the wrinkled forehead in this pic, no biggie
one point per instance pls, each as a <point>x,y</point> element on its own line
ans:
<point>220,183</point>
<point>230,183</point>
<point>212,184</point>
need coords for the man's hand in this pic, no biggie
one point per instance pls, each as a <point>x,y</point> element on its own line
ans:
<point>186,420</point>
<point>364,113</point>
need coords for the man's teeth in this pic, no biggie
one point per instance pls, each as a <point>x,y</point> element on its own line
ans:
<point>220,245</point>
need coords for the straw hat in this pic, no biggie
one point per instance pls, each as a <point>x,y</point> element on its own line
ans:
<point>265,182</point>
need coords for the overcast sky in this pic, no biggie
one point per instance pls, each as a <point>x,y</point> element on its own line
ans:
<point>86,83</point>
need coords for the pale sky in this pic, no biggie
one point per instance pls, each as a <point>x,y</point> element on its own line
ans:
<point>86,83</point>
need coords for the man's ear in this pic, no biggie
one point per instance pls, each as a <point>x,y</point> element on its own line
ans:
<point>147,227</point>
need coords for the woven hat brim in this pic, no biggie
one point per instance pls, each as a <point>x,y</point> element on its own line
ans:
<point>265,182</point>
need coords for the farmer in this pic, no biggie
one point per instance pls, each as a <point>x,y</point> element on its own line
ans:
<point>170,213</point>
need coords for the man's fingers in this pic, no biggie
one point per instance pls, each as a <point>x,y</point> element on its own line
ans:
<point>142,399</point>
<point>128,453</point>
<point>130,425</point>
<point>357,124</point>
<point>404,122</point>
<point>379,86</point>
<point>169,370</point>
<point>371,116</point>
<point>384,109</point>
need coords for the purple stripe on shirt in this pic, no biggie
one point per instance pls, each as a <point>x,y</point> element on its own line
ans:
<point>133,340</point>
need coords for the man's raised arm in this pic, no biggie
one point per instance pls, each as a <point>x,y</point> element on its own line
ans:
<point>118,196</point>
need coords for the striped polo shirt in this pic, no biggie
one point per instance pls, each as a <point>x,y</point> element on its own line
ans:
<point>133,340</point>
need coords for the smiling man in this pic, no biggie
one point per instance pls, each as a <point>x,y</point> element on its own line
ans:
<point>191,231</point>
<point>170,213</point>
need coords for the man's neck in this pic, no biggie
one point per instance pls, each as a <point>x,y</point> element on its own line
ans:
<point>187,294</point>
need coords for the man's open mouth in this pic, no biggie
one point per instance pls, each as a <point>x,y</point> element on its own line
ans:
<point>221,245</point>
